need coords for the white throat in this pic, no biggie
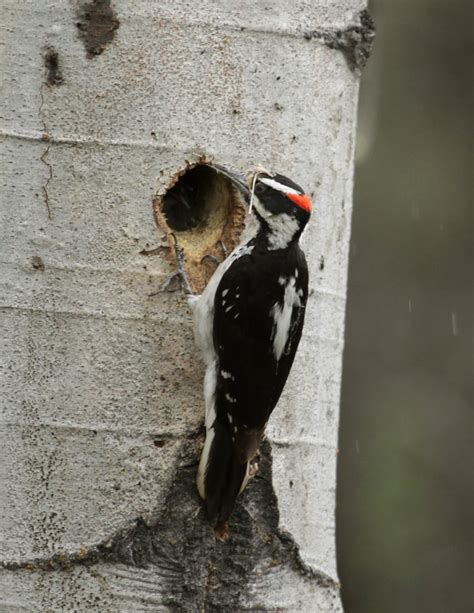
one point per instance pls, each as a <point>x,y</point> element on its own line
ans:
<point>282,231</point>
<point>282,227</point>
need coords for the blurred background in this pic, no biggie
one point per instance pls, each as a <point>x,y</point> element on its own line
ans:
<point>405,497</point>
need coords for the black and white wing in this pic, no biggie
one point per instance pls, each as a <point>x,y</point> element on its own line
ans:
<point>259,311</point>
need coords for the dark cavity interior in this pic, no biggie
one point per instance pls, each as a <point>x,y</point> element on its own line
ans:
<point>188,204</point>
<point>205,211</point>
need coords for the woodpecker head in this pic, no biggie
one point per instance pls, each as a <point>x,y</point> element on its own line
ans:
<point>279,204</point>
<point>274,194</point>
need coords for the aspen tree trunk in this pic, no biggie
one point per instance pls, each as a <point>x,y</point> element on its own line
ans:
<point>102,103</point>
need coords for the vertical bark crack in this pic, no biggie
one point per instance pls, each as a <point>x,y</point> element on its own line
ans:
<point>43,157</point>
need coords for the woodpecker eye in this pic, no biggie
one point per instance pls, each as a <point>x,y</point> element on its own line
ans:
<point>259,188</point>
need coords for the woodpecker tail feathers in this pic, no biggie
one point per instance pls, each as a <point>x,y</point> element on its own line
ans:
<point>221,475</point>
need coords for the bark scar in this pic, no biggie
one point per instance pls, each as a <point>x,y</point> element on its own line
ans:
<point>355,41</point>
<point>97,24</point>
<point>180,543</point>
<point>54,74</point>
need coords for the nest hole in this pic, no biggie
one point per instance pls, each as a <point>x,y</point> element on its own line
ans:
<point>189,203</point>
<point>203,209</point>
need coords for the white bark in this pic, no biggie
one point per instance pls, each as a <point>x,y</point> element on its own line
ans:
<point>101,385</point>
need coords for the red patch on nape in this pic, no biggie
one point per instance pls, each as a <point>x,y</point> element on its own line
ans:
<point>303,201</point>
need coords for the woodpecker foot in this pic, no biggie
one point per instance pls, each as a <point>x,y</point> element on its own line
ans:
<point>253,468</point>
<point>222,531</point>
<point>179,277</point>
<point>214,258</point>
<point>225,251</point>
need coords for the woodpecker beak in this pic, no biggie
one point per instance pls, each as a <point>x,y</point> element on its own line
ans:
<point>237,178</point>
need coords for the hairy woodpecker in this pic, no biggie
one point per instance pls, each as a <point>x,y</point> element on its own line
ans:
<point>248,323</point>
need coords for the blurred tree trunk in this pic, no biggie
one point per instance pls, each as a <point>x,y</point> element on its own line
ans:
<point>101,385</point>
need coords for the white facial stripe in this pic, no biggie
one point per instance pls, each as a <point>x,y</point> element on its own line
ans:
<point>279,186</point>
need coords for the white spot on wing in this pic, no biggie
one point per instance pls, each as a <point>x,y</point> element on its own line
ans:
<point>226,375</point>
<point>282,317</point>
<point>230,398</point>
<point>224,292</point>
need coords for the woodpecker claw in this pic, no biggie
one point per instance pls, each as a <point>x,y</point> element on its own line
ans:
<point>214,258</point>
<point>253,469</point>
<point>179,274</point>
<point>225,252</point>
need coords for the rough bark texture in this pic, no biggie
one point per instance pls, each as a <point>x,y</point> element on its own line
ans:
<point>101,409</point>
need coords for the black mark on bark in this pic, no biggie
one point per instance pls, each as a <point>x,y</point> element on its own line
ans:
<point>53,69</point>
<point>97,24</point>
<point>355,42</point>
<point>37,263</point>
<point>202,574</point>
